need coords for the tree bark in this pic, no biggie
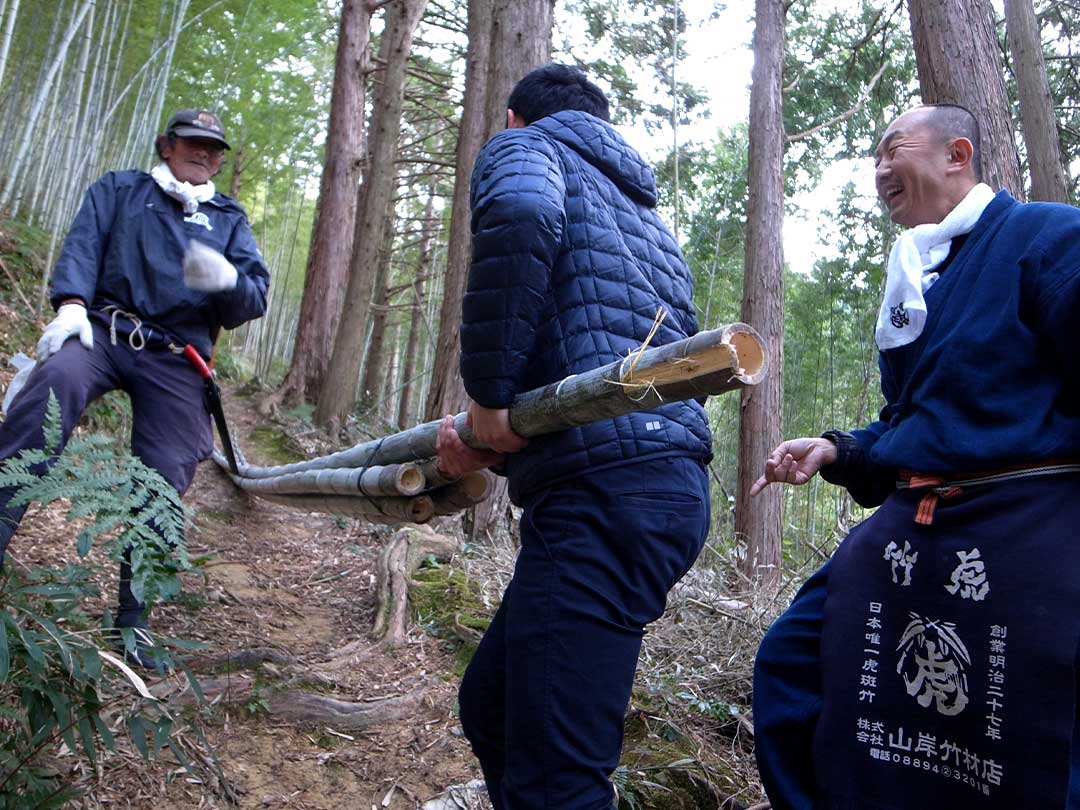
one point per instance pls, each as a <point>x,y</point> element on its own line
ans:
<point>520,42</point>
<point>338,388</point>
<point>371,389</point>
<point>758,525</point>
<point>331,241</point>
<point>404,418</point>
<point>238,166</point>
<point>399,561</point>
<point>956,52</point>
<point>447,392</point>
<point>1037,119</point>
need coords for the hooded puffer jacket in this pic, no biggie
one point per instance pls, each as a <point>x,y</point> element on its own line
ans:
<point>570,264</point>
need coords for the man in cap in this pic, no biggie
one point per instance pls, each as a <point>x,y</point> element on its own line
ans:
<point>153,262</point>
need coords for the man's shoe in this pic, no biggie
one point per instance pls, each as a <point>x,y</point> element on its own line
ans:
<point>145,646</point>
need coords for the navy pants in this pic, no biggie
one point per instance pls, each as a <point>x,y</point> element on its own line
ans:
<point>791,683</point>
<point>170,421</point>
<point>543,700</point>
<point>788,698</point>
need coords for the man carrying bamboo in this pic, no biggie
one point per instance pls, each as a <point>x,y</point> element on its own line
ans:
<point>570,265</point>
<point>153,262</point>
<point>933,661</point>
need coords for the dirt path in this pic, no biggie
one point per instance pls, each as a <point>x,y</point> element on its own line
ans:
<point>303,585</point>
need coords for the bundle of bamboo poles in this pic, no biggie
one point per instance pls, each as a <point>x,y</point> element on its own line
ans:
<point>396,478</point>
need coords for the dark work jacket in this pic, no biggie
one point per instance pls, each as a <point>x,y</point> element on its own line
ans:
<point>570,264</point>
<point>125,250</point>
<point>992,380</point>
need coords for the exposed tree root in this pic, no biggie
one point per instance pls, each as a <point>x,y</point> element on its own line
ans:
<point>399,560</point>
<point>297,705</point>
<point>234,660</point>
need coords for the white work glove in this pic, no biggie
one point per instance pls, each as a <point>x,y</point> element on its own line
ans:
<point>207,270</point>
<point>70,320</point>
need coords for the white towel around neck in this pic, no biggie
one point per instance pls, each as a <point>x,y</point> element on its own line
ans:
<point>915,254</point>
<point>188,195</point>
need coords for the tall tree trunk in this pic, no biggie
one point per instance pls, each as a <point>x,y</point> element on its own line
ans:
<point>956,52</point>
<point>339,384</point>
<point>520,42</point>
<point>1037,117</point>
<point>393,383</point>
<point>332,234</point>
<point>447,392</point>
<point>239,163</point>
<point>375,360</point>
<point>758,524</point>
<point>154,118</point>
<point>40,98</point>
<point>404,418</point>
<point>5,43</point>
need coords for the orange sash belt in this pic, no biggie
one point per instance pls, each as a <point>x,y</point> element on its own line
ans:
<point>949,485</point>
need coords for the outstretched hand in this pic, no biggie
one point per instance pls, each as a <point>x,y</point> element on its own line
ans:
<point>795,462</point>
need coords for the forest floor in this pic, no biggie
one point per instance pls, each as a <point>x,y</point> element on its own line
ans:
<point>300,587</point>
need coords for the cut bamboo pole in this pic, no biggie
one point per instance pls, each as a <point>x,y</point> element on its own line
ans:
<point>419,509</point>
<point>469,491</point>
<point>390,480</point>
<point>707,364</point>
<point>433,476</point>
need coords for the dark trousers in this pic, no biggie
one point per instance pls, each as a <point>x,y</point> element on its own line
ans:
<point>788,697</point>
<point>543,699</point>
<point>170,422</point>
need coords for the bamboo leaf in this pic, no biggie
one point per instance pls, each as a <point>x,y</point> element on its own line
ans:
<point>137,732</point>
<point>107,738</point>
<point>57,637</point>
<point>86,731</point>
<point>161,734</point>
<point>62,709</point>
<point>137,682</point>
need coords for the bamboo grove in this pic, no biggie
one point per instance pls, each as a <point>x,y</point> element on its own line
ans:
<point>85,85</point>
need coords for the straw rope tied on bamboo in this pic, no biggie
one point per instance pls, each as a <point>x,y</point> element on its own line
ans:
<point>154,263</point>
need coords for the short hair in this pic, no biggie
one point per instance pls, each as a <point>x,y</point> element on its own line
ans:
<point>160,141</point>
<point>554,88</point>
<point>956,121</point>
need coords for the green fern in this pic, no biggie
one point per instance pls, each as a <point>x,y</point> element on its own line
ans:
<point>53,684</point>
<point>131,504</point>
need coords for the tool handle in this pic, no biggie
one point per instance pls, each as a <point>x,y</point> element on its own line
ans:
<point>200,365</point>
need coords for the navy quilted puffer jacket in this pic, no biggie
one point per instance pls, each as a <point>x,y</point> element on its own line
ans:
<point>570,264</point>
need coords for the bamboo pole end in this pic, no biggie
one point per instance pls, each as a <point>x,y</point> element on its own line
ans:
<point>752,359</point>
<point>421,509</point>
<point>411,480</point>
